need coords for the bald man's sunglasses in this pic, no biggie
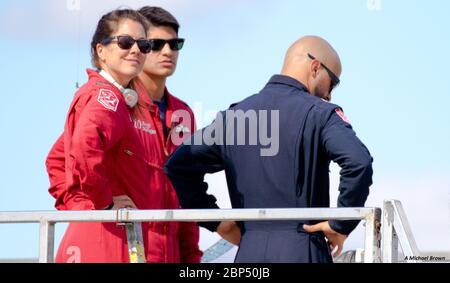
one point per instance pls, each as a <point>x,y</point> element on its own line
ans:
<point>334,79</point>
<point>126,42</point>
<point>175,44</point>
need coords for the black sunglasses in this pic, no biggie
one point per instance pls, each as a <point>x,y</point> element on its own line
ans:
<point>175,44</point>
<point>334,79</point>
<point>126,42</point>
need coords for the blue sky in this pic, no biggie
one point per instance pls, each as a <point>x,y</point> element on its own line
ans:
<point>395,88</point>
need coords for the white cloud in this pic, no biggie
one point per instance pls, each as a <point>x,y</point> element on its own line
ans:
<point>58,18</point>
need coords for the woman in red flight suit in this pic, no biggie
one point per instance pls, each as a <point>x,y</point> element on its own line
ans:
<point>98,135</point>
<point>164,242</point>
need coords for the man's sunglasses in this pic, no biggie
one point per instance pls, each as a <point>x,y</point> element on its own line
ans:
<point>175,44</point>
<point>126,42</point>
<point>334,79</point>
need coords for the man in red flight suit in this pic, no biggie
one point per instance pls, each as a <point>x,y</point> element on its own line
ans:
<point>161,121</point>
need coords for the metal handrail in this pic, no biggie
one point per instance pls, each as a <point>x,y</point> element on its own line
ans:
<point>396,230</point>
<point>48,219</point>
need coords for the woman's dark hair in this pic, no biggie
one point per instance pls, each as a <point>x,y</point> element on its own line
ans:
<point>159,17</point>
<point>108,24</point>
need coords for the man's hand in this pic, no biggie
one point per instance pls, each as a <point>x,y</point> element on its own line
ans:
<point>229,231</point>
<point>123,201</point>
<point>334,238</point>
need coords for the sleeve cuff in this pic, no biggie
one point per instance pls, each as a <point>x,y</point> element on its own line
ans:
<point>211,226</point>
<point>344,227</point>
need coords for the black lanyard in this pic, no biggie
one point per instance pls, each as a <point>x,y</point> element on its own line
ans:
<point>162,106</point>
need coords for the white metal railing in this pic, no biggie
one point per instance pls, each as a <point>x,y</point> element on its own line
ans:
<point>396,230</point>
<point>48,219</point>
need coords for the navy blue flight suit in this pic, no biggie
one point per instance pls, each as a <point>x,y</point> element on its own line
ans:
<point>311,134</point>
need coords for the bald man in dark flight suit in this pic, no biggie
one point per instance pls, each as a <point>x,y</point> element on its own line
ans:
<point>311,132</point>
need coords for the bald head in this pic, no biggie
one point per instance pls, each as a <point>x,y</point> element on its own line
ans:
<point>298,65</point>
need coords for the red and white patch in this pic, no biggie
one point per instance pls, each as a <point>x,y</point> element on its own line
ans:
<point>342,115</point>
<point>108,99</point>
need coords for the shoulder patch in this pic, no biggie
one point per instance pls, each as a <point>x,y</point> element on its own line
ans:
<point>108,99</point>
<point>342,115</point>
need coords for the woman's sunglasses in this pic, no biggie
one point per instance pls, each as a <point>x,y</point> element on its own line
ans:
<point>175,44</point>
<point>126,42</point>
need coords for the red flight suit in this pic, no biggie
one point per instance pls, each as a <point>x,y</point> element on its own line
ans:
<point>111,153</point>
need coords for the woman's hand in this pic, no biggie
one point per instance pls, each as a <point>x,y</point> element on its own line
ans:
<point>123,201</point>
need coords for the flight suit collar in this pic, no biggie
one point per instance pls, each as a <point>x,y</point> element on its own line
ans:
<point>286,80</point>
<point>146,102</point>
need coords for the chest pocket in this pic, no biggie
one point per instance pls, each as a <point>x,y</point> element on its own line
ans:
<point>140,158</point>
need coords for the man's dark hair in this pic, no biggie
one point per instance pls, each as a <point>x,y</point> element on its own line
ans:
<point>157,16</point>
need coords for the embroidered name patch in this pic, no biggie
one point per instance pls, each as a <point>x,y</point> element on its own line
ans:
<point>144,126</point>
<point>108,99</point>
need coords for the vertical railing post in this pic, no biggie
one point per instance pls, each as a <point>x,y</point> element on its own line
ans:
<point>372,239</point>
<point>390,239</point>
<point>402,233</point>
<point>46,241</point>
<point>135,242</point>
